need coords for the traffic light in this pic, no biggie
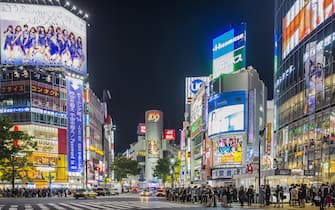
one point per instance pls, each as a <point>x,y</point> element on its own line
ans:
<point>249,169</point>
<point>15,141</point>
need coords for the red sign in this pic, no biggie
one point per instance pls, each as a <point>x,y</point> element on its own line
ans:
<point>16,142</point>
<point>249,169</point>
<point>142,129</point>
<point>169,134</point>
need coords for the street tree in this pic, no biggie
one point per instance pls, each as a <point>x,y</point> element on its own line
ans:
<point>123,167</point>
<point>162,169</point>
<point>15,149</point>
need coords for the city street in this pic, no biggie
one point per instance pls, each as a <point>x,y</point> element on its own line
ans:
<point>125,201</point>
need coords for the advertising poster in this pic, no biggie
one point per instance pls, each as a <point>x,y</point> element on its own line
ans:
<point>42,35</point>
<point>75,125</point>
<point>227,151</point>
<point>314,73</point>
<point>301,19</point>
<point>169,134</point>
<point>229,51</point>
<point>226,113</point>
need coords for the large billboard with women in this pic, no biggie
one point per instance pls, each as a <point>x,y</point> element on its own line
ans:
<point>42,35</point>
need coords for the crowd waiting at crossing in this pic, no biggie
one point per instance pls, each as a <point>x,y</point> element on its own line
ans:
<point>296,195</point>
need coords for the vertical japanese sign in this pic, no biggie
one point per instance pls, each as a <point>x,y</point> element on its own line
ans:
<point>75,124</point>
<point>251,116</point>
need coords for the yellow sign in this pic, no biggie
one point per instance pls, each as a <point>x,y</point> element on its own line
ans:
<point>96,150</point>
<point>153,116</point>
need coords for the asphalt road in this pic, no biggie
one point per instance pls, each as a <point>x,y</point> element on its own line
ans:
<point>121,202</point>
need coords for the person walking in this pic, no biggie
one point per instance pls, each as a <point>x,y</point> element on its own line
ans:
<point>250,195</point>
<point>267,195</point>
<point>323,192</point>
<point>261,196</point>
<point>241,195</point>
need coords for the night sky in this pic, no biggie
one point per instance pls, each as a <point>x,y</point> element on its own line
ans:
<point>142,51</point>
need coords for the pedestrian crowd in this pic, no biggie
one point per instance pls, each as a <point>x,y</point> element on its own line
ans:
<point>297,195</point>
<point>31,193</point>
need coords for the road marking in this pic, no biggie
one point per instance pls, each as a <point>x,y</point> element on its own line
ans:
<point>13,207</point>
<point>69,206</point>
<point>43,207</point>
<point>56,206</point>
<point>28,207</point>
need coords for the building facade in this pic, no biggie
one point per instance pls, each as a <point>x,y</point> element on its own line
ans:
<point>304,89</point>
<point>42,87</point>
<point>236,115</point>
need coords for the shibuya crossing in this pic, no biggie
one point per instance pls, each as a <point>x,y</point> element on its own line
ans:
<point>45,91</point>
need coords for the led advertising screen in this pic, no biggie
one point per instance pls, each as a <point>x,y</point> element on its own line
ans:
<point>229,51</point>
<point>42,35</point>
<point>226,113</point>
<point>227,151</point>
<point>301,19</point>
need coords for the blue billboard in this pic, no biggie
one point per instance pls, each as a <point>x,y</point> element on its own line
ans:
<point>227,113</point>
<point>75,125</point>
<point>229,51</point>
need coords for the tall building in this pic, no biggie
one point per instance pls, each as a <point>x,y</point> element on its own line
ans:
<point>304,90</point>
<point>41,85</point>
<point>96,163</point>
<point>236,115</point>
<point>153,138</point>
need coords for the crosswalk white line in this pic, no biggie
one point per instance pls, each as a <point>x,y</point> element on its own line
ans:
<point>28,207</point>
<point>43,207</point>
<point>56,206</point>
<point>13,207</point>
<point>69,206</point>
<point>93,205</point>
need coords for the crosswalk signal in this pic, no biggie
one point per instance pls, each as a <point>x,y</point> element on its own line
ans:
<point>249,169</point>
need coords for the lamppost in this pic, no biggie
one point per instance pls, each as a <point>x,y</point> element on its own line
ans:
<point>172,162</point>
<point>50,178</point>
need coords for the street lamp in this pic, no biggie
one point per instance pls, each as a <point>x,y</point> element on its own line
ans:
<point>50,178</point>
<point>172,162</point>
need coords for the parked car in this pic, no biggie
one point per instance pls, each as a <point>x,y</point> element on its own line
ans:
<point>83,193</point>
<point>146,193</point>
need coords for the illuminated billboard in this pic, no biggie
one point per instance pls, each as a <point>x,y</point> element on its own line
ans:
<point>75,125</point>
<point>169,134</point>
<point>42,35</point>
<point>226,113</point>
<point>227,151</point>
<point>229,51</point>
<point>193,85</point>
<point>301,19</point>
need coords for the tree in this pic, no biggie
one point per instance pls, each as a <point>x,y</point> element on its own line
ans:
<point>162,169</point>
<point>123,167</point>
<point>15,149</point>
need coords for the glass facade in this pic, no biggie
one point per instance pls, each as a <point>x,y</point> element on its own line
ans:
<point>304,89</point>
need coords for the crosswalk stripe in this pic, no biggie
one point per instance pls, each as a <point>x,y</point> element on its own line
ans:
<point>13,207</point>
<point>69,206</point>
<point>28,207</point>
<point>43,207</point>
<point>93,205</point>
<point>56,206</point>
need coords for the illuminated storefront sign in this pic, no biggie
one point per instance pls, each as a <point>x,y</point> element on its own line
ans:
<point>48,112</point>
<point>193,85</point>
<point>269,138</point>
<point>15,110</point>
<point>42,35</point>
<point>45,91</point>
<point>284,75</point>
<point>169,134</point>
<point>141,129</point>
<point>75,124</point>
<point>251,116</point>
<point>12,89</point>
<point>229,51</point>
